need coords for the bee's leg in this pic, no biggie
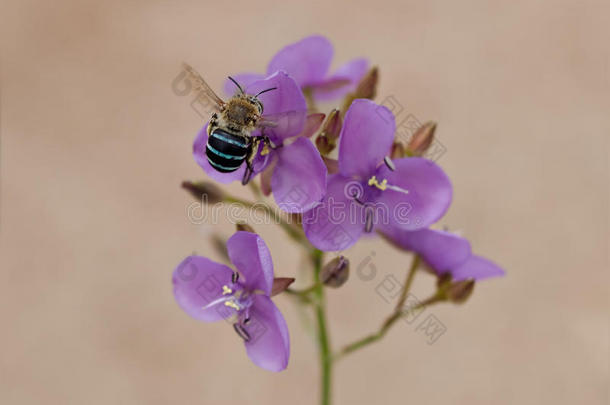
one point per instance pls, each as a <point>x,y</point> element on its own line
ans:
<point>212,124</point>
<point>253,148</point>
<point>268,143</point>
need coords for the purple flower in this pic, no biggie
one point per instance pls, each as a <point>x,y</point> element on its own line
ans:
<point>308,62</point>
<point>210,291</point>
<point>445,252</point>
<point>371,190</point>
<point>298,173</point>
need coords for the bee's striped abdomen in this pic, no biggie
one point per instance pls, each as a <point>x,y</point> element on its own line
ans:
<point>226,152</point>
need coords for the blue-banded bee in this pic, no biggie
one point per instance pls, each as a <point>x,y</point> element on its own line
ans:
<point>230,140</point>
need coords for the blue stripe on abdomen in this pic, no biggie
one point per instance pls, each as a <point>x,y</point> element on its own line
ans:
<point>224,155</point>
<point>221,136</point>
<point>223,168</point>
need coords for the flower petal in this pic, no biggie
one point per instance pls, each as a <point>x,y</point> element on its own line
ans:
<point>244,79</point>
<point>338,221</point>
<point>299,179</point>
<point>429,193</point>
<point>269,343</point>
<point>200,157</point>
<point>366,138</point>
<point>250,255</point>
<point>478,268</point>
<point>267,174</point>
<point>342,81</point>
<point>442,250</point>
<point>285,106</point>
<point>307,61</point>
<point>197,282</point>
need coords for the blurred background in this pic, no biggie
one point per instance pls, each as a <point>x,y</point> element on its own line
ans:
<point>94,146</point>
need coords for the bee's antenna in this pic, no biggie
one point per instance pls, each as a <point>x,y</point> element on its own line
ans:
<point>264,91</point>
<point>237,84</point>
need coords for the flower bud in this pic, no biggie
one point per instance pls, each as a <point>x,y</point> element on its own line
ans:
<point>460,291</point>
<point>242,226</point>
<point>327,140</point>
<point>367,88</point>
<point>204,191</point>
<point>422,139</point>
<point>312,124</point>
<point>280,284</point>
<point>323,145</point>
<point>398,150</point>
<point>333,124</point>
<point>336,272</point>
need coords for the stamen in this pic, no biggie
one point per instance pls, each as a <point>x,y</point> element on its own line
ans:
<point>385,186</point>
<point>368,222</point>
<point>400,190</point>
<point>374,182</point>
<point>226,290</point>
<point>234,277</point>
<point>241,332</point>
<point>233,305</point>
<point>388,162</point>
<point>215,302</point>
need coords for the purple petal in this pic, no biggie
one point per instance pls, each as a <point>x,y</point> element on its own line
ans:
<point>244,79</point>
<point>269,344</point>
<point>366,138</point>
<point>250,255</point>
<point>197,282</point>
<point>343,81</point>
<point>478,268</point>
<point>442,250</point>
<point>199,154</point>
<point>429,193</point>
<point>286,105</point>
<point>307,61</point>
<point>338,221</point>
<point>299,179</point>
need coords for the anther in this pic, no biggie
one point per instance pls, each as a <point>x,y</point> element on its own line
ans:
<point>374,182</point>
<point>241,332</point>
<point>388,162</point>
<point>368,222</point>
<point>226,290</point>
<point>233,305</point>
<point>234,277</point>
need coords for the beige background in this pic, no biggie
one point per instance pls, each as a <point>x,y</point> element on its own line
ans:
<point>94,145</point>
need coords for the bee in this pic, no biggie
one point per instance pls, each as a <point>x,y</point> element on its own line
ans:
<point>230,141</point>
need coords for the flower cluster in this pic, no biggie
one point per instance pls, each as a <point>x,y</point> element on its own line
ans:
<point>372,184</point>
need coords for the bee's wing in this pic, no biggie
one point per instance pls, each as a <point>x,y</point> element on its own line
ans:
<point>204,90</point>
<point>285,124</point>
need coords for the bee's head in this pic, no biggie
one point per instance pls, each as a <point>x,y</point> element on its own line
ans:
<point>257,103</point>
<point>252,99</point>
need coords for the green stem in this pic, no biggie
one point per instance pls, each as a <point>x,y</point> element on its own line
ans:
<point>306,291</point>
<point>387,324</point>
<point>407,286</point>
<point>323,340</point>
<point>294,232</point>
